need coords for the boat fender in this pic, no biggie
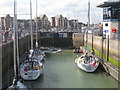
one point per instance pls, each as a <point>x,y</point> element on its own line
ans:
<point>37,67</point>
<point>26,69</point>
<point>78,61</point>
<point>94,64</point>
<point>81,56</point>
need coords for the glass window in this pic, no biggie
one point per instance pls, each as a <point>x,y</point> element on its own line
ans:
<point>106,24</point>
<point>112,12</point>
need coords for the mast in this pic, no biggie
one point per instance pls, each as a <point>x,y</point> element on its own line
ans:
<point>14,41</point>
<point>31,25</point>
<point>88,14</point>
<point>36,27</point>
<point>17,38</point>
<point>88,27</point>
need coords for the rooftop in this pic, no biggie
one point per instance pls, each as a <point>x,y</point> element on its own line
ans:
<point>109,3</point>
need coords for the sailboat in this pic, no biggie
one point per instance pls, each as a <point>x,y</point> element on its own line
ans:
<point>37,53</point>
<point>16,83</point>
<point>31,68</point>
<point>87,62</point>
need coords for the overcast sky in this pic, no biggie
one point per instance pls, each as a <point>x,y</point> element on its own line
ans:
<point>73,9</point>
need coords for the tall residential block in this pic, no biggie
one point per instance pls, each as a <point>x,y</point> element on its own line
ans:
<point>44,22</point>
<point>2,23</point>
<point>8,22</point>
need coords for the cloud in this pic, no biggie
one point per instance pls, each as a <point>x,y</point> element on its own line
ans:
<point>69,8</point>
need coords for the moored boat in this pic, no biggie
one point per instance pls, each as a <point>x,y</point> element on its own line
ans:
<point>16,85</point>
<point>51,50</point>
<point>36,53</point>
<point>77,50</point>
<point>87,63</point>
<point>31,69</point>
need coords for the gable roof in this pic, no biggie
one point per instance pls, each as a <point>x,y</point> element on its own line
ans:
<point>58,16</point>
<point>42,16</point>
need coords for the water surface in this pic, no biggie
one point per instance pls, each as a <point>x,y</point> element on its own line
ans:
<point>60,71</point>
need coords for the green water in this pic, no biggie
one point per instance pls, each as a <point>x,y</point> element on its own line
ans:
<point>60,71</point>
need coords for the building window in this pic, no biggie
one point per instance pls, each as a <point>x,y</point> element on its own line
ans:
<point>112,12</point>
<point>106,24</point>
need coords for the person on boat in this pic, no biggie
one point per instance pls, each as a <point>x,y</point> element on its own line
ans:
<point>87,58</point>
<point>80,50</point>
<point>75,50</point>
<point>93,52</point>
<point>27,55</point>
<point>31,53</point>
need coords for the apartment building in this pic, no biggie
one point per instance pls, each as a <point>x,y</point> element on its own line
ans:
<point>44,22</point>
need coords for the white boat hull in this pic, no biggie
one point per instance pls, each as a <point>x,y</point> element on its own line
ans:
<point>39,57</point>
<point>19,85</point>
<point>38,54</point>
<point>88,67</point>
<point>59,50</point>
<point>31,73</point>
<point>52,50</point>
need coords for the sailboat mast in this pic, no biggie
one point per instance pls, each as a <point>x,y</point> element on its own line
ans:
<point>17,38</point>
<point>31,25</point>
<point>88,14</point>
<point>14,41</point>
<point>36,26</point>
<point>88,27</point>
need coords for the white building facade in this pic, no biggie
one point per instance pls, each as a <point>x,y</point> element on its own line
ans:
<point>111,18</point>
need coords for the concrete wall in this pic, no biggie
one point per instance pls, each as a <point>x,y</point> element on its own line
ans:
<point>78,39</point>
<point>113,53</point>
<point>7,50</point>
<point>7,58</point>
<point>97,44</point>
<point>56,42</point>
<point>55,39</point>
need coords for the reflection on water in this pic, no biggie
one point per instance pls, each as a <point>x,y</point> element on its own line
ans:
<point>60,71</point>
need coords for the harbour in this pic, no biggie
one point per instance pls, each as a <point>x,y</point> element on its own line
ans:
<point>55,62</point>
<point>60,53</point>
<point>60,71</point>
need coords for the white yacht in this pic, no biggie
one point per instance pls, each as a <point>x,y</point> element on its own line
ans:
<point>16,85</point>
<point>87,63</point>
<point>36,53</point>
<point>31,69</point>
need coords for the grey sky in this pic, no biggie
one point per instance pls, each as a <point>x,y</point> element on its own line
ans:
<point>68,8</point>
